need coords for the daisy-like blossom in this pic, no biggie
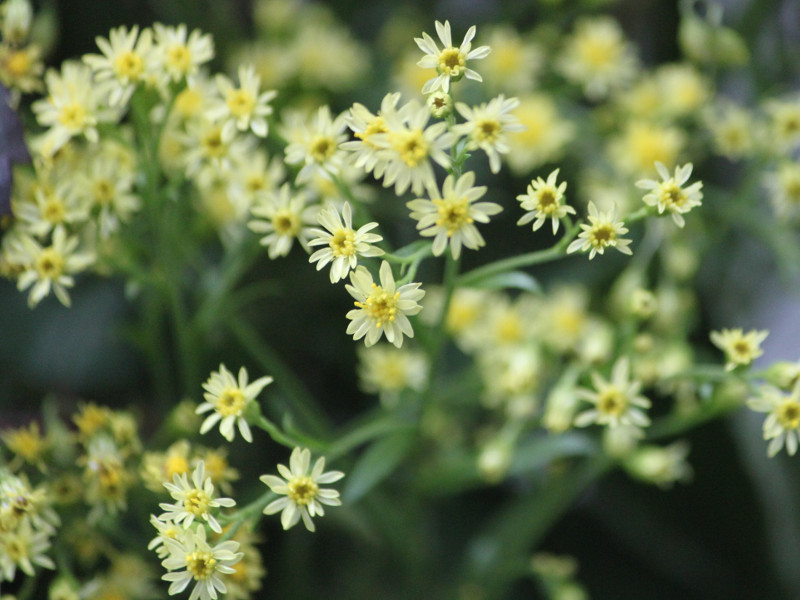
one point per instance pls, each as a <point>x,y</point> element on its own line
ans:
<point>617,402</point>
<point>782,424</point>
<point>544,200</point>
<point>70,108</point>
<point>108,185</point>
<point>364,126</point>
<point>783,187</point>
<point>283,217</point>
<point>669,193</point>
<point>47,268</point>
<point>192,558</point>
<point>193,499</point>
<point>303,496</point>
<point>227,399</point>
<point>242,108</point>
<point>598,57</point>
<point>316,145</point>
<point>23,548</point>
<point>387,371</point>
<point>450,62</point>
<point>126,61</point>
<point>181,56</point>
<point>740,348</point>
<point>382,309</point>
<point>344,244</point>
<point>603,231</point>
<point>408,147</point>
<point>450,217</point>
<point>486,127</point>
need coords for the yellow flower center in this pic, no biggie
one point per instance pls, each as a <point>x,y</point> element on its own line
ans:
<point>602,235</point>
<point>487,130</point>
<point>788,414</point>
<point>286,222</point>
<point>179,58</point>
<point>188,102</point>
<point>54,210</point>
<point>27,443</point>
<point>509,328</point>
<point>212,143</point>
<point>380,305</point>
<point>672,195</point>
<point>196,502</point>
<point>175,465</point>
<point>322,148</point>
<point>255,183</point>
<point>201,565</point>
<point>453,214</point>
<point>743,350</point>
<point>230,402</point>
<point>49,264</point>
<point>547,200</point>
<point>598,52</point>
<point>103,191</point>
<point>410,145</point>
<point>343,243</point>
<point>611,401</point>
<point>240,102</point>
<point>16,548</point>
<point>376,125</point>
<point>302,490</point>
<point>72,116</point>
<point>451,62</point>
<point>17,63</point>
<point>129,64</point>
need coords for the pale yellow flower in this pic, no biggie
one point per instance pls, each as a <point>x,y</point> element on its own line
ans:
<point>740,348</point>
<point>382,309</point>
<point>603,231</point>
<point>303,496</point>
<point>669,193</point>
<point>544,200</point>
<point>450,62</point>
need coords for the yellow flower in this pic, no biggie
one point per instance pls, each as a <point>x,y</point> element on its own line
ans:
<point>740,348</point>
<point>450,62</point>
<point>543,201</point>
<point>227,399</point>
<point>782,424</point>
<point>669,193</point>
<point>382,309</point>
<point>451,217</point>
<point>303,495</point>
<point>603,231</point>
<point>617,401</point>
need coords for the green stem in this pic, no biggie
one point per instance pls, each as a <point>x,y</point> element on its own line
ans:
<point>275,433</point>
<point>247,512</point>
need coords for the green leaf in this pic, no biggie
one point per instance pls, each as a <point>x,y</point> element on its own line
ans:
<point>377,463</point>
<point>510,280</point>
<point>411,248</point>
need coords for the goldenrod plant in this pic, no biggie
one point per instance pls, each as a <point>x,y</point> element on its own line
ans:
<point>473,292</point>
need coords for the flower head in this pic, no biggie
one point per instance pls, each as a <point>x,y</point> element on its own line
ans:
<point>283,217</point>
<point>191,557</point>
<point>669,193</point>
<point>617,402</point>
<point>740,348</point>
<point>242,108</point>
<point>126,60</point>
<point>487,125</point>
<point>344,244</point>
<point>782,424</point>
<point>303,496</point>
<point>382,309</point>
<point>544,200</point>
<point>51,267</point>
<point>407,147</point>
<point>228,398</point>
<point>451,217</point>
<point>450,62</point>
<point>193,499</point>
<point>603,231</point>
<point>179,55</point>
<point>315,145</point>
